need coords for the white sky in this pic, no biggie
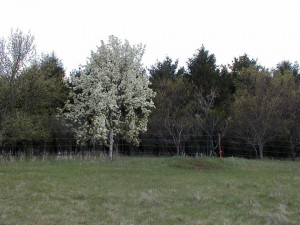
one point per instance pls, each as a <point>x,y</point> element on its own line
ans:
<point>267,30</point>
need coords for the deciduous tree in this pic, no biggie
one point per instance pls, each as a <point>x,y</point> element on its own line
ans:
<point>287,85</point>
<point>212,121</point>
<point>16,53</point>
<point>172,118</point>
<point>287,66</point>
<point>257,110</point>
<point>111,96</point>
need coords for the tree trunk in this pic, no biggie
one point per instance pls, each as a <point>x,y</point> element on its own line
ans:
<point>261,149</point>
<point>212,146</point>
<point>178,149</point>
<point>111,143</point>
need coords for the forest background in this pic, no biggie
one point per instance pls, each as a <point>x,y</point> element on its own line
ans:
<point>243,109</point>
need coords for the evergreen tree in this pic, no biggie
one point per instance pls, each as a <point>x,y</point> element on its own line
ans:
<point>203,71</point>
<point>166,69</point>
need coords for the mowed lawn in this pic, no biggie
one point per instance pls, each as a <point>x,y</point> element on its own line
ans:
<point>133,190</point>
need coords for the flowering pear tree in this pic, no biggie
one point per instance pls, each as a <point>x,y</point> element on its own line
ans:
<point>111,94</point>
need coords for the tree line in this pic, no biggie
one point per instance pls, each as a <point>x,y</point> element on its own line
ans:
<point>115,105</point>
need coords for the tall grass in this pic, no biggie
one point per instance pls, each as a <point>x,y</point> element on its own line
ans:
<point>149,191</point>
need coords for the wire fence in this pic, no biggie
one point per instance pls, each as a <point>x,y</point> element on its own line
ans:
<point>66,146</point>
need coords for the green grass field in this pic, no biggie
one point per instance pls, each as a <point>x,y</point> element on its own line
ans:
<point>150,191</point>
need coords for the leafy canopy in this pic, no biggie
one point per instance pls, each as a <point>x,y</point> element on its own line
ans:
<point>111,94</point>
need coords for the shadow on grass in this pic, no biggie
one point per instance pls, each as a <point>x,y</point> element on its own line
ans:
<point>195,164</point>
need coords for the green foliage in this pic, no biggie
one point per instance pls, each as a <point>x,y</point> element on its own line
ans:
<point>52,67</point>
<point>165,70</point>
<point>287,85</point>
<point>203,70</point>
<point>242,62</point>
<point>260,106</point>
<point>252,80</point>
<point>287,66</point>
<point>41,88</point>
<point>171,120</point>
<point>173,117</point>
<point>5,96</point>
<point>206,76</point>
<point>111,97</point>
<point>238,64</point>
<point>30,103</point>
<point>21,126</point>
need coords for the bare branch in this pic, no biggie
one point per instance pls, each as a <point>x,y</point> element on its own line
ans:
<point>206,101</point>
<point>16,53</point>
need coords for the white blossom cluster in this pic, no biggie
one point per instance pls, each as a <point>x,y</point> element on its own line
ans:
<point>111,93</point>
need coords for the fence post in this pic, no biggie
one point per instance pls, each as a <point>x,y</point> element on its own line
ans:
<point>220,147</point>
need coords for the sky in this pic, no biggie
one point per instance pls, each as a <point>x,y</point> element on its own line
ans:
<point>266,30</point>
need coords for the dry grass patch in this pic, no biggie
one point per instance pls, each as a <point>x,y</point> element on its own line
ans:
<point>150,198</point>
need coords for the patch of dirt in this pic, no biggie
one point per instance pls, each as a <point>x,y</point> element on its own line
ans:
<point>196,164</point>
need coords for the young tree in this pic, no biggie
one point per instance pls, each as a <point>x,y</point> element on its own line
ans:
<point>211,120</point>
<point>286,83</point>
<point>172,118</point>
<point>16,53</point>
<point>111,96</point>
<point>169,122</point>
<point>257,110</point>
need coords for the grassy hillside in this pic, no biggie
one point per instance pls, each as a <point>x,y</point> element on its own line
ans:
<point>150,191</point>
